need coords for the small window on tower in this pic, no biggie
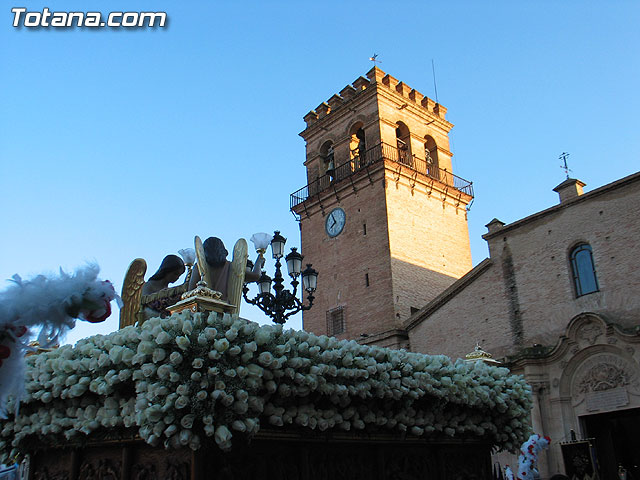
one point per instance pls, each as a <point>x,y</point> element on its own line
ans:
<point>364,228</point>
<point>366,279</point>
<point>335,321</point>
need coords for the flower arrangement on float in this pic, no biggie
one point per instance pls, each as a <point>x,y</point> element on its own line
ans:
<point>178,380</point>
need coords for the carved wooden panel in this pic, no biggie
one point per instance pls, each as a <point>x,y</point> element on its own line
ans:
<point>268,459</point>
<point>44,474</point>
<point>464,464</point>
<point>146,471</point>
<point>411,463</point>
<point>148,463</point>
<point>100,469</point>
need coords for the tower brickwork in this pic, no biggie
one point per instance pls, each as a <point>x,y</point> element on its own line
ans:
<point>383,218</point>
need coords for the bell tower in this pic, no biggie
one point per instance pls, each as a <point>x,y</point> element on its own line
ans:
<point>383,218</point>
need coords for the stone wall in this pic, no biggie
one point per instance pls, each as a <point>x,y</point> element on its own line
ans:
<point>527,296</point>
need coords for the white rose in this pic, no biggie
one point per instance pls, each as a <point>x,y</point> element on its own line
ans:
<point>263,335</point>
<point>164,371</point>
<point>265,359</point>
<point>146,348</point>
<point>239,425</point>
<point>148,369</point>
<point>158,355</point>
<point>223,437</point>
<point>221,345</point>
<point>187,420</point>
<point>170,430</point>
<point>183,389</point>
<point>197,363</point>
<point>175,358</point>
<point>194,444</point>
<point>210,333</point>
<point>185,437</point>
<point>163,338</point>
<point>202,395</point>
<point>183,342</point>
<point>187,327</point>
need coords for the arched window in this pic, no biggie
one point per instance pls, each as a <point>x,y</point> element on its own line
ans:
<point>357,146</point>
<point>403,142</point>
<point>583,270</point>
<point>431,156</point>
<point>328,162</point>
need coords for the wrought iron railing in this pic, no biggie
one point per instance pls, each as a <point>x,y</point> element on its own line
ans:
<point>372,156</point>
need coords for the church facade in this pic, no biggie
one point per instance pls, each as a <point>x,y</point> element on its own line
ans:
<point>558,301</point>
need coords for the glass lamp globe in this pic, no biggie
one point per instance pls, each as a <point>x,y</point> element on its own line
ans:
<point>277,245</point>
<point>309,279</point>
<point>264,283</point>
<point>294,263</point>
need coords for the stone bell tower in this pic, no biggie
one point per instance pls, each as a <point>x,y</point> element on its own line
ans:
<point>383,218</point>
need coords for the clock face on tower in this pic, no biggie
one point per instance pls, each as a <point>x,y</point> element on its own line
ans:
<point>335,222</point>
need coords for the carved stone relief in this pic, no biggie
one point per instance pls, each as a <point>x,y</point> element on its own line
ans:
<point>603,377</point>
<point>590,332</point>
<point>605,372</point>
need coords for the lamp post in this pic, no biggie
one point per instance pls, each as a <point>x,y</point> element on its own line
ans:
<point>282,303</point>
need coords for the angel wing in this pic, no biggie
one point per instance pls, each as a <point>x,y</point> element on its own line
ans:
<point>132,292</point>
<point>202,262</point>
<point>236,275</point>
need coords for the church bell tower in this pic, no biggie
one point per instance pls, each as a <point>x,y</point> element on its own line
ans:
<point>383,218</point>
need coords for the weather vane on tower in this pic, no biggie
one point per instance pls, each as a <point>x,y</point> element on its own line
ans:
<point>375,60</point>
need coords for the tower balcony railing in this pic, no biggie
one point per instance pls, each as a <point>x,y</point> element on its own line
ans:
<point>372,156</point>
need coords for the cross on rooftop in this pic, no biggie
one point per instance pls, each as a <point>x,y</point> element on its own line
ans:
<point>565,167</point>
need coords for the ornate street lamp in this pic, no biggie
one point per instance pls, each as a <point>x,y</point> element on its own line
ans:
<point>281,304</point>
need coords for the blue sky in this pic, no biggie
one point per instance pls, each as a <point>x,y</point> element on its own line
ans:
<point>125,143</point>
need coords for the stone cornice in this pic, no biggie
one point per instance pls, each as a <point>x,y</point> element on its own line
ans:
<point>419,111</point>
<point>362,89</point>
<point>341,111</point>
<point>542,355</point>
<point>635,177</point>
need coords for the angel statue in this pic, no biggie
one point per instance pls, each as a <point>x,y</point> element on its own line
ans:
<point>143,300</point>
<point>221,275</point>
